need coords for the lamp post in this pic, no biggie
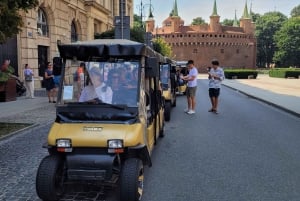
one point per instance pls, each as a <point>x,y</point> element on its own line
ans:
<point>141,8</point>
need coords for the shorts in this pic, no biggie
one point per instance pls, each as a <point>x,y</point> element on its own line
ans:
<point>191,91</point>
<point>214,92</point>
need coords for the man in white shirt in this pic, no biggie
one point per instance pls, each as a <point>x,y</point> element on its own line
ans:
<point>216,76</point>
<point>191,87</point>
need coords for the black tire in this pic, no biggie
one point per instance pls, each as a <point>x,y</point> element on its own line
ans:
<point>131,180</point>
<point>50,178</point>
<point>174,101</point>
<point>162,131</point>
<point>167,111</point>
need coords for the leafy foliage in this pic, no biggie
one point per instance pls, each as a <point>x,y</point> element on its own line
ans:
<point>136,34</point>
<point>266,27</point>
<point>137,22</point>
<point>109,34</point>
<point>160,45</point>
<point>284,72</point>
<point>287,40</point>
<point>240,73</point>
<point>227,22</point>
<point>255,16</point>
<point>9,128</point>
<point>198,21</point>
<point>295,11</point>
<point>10,19</point>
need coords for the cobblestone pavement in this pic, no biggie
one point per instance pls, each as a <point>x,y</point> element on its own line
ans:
<point>21,154</point>
<point>20,157</point>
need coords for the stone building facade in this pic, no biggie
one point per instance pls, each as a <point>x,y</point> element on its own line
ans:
<point>65,21</point>
<point>234,46</point>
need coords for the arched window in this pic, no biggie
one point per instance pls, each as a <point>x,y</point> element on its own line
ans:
<point>42,24</point>
<point>74,37</point>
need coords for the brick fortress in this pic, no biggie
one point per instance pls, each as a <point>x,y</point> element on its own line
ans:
<point>234,46</point>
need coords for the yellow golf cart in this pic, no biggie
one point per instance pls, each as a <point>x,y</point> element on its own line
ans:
<point>168,81</point>
<point>107,123</point>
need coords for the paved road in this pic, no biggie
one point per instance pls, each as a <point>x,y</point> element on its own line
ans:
<point>202,157</point>
<point>247,152</point>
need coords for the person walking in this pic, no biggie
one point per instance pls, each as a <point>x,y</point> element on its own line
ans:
<point>29,82</point>
<point>191,89</point>
<point>216,76</point>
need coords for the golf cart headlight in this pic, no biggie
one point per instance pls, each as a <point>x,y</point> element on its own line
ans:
<point>115,144</point>
<point>63,143</point>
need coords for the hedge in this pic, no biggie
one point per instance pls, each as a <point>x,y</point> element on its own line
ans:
<point>285,72</point>
<point>240,73</point>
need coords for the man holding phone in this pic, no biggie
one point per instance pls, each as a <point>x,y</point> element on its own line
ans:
<point>215,76</point>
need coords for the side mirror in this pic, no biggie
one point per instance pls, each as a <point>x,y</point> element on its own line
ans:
<point>152,67</point>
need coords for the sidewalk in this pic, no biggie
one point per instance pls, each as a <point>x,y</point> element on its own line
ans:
<point>279,92</point>
<point>35,111</point>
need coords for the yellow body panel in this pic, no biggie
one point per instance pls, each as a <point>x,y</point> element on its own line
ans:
<point>167,94</point>
<point>150,137</point>
<point>96,135</point>
<point>182,88</point>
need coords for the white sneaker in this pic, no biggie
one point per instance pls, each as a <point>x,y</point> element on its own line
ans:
<point>186,110</point>
<point>191,112</point>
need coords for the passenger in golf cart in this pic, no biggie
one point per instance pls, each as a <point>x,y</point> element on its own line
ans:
<point>181,70</point>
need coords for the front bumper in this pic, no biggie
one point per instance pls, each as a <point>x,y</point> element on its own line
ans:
<point>93,167</point>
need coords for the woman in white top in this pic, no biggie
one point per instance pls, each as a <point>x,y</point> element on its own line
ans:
<point>96,89</point>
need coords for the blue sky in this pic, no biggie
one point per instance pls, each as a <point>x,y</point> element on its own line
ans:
<point>190,9</point>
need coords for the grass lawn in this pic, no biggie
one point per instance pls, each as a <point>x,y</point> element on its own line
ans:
<point>7,128</point>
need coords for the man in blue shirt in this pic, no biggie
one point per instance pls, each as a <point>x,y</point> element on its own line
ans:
<point>216,76</point>
<point>191,87</point>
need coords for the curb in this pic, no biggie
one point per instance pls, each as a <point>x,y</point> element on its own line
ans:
<point>265,101</point>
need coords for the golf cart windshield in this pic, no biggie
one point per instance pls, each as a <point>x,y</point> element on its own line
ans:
<point>100,83</point>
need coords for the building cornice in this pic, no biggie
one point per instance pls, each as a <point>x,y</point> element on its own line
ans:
<point>93,3</point>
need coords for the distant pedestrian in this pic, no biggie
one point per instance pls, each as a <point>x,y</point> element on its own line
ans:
<point>79,76</point>
<point>191,78</point>
<point>216,76</point>
<point>49,83</point>
<point>29,81</point>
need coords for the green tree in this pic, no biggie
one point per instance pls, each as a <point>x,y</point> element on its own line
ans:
<point>295,11</point>
<point>136,34</point>
<point>255,16</point>
<point>227,22</point>
<point>198,21</point>
<point>287,40</point>
<point>137,21</point>
<point>266,27</point>
<point>160,45</point>
<point>10,18</point>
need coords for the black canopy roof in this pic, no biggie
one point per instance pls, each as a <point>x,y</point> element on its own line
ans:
<point>103,48</point>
